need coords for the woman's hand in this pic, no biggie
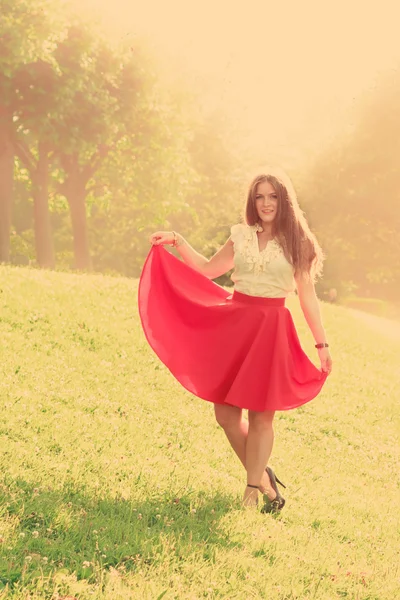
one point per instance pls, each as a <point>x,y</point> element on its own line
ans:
<point>162,238</point>
<point>326,360</point>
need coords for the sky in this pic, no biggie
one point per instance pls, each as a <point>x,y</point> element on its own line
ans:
<point>290,73</point>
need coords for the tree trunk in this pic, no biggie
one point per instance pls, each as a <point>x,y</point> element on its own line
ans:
<point>43,231</point>
<point>6,182</point>
<point>76,196</point>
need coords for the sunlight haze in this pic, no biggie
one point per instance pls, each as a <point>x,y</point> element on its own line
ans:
<point>286,73</point>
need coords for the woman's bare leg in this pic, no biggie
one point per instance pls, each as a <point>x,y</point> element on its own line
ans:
<point>236,429</point>
<point>260,440</point>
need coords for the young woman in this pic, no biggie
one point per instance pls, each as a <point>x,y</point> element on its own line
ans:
<point>241,350</point>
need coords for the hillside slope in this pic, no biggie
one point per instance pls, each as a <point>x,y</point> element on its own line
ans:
<point>116,483</point>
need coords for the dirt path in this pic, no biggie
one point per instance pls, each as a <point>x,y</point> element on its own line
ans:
<point>386,327</point>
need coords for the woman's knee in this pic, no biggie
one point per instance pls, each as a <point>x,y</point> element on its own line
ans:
<point>227,416</point>
<point>261,420</point>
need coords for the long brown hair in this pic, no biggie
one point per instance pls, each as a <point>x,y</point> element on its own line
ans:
<point>290,226</point>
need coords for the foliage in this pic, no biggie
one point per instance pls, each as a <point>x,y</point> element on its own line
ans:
<point>110,152</point>
<point>117,142</point>
<point>355,199</point>
<point>26,38</point>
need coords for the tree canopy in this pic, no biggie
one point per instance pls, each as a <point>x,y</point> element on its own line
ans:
<point>96,151</point>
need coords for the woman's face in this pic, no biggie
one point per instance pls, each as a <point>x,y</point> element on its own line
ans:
<point>266,202</point>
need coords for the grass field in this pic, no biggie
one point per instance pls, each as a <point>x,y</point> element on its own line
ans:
<point>117,484</point>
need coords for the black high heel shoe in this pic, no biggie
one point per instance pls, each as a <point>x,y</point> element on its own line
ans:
<point>275,505</point>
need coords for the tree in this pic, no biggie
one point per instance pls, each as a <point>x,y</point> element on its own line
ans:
<point>102,105</point>
<point>35,120</point>
<point>143,184</point>
<point>355,198</point>
<point>26,32</point>
<point>6,178</point>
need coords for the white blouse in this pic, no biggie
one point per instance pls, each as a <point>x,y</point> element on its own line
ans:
<point>267,273</point>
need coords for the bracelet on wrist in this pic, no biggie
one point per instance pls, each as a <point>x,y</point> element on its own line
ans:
<point>322,345</point>
<point>176,241</point>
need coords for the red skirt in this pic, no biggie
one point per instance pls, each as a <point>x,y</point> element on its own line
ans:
<point>228,349</point>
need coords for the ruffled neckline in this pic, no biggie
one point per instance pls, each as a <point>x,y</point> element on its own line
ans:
<point>246,244</point>
<point>258,229</point>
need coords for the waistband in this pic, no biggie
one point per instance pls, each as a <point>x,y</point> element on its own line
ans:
<point>245,299</point>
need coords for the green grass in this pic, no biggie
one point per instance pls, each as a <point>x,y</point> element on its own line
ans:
<point>375,306</point>
<point>117,484</point>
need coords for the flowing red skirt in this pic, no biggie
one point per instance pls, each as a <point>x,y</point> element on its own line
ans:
<point>228,349</point>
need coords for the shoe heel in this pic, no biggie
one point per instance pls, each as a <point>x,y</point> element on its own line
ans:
<point>280,482</point>
<point>273,477</point>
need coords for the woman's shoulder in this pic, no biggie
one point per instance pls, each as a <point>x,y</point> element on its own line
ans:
<point>240,230</point>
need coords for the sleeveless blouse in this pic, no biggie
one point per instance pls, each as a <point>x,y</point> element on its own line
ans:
<point>267,273</point>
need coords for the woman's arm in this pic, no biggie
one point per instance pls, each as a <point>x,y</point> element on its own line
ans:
<point>217,265</point>
<point>311,309</point>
